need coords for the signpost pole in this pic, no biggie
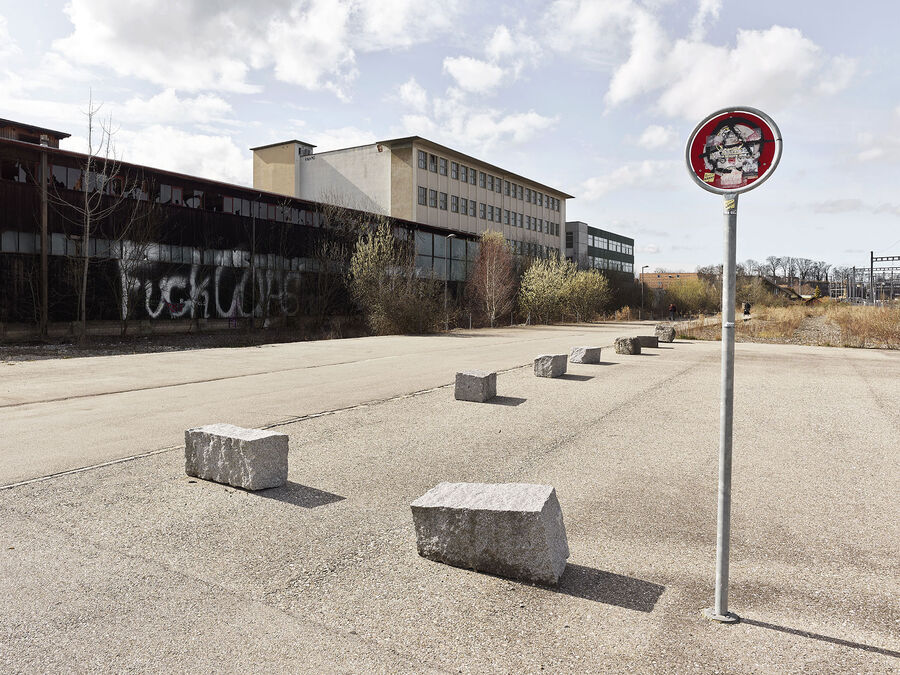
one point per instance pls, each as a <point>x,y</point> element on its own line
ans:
<point>719,612</point>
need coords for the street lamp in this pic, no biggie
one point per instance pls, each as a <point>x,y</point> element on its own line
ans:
<point>642,290</point>
<point>447,277</point>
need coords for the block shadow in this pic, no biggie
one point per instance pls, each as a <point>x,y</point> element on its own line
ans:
<point>300,495</point>
<point>821,638</point>
<point>507,400</point>
<point>576,378</point>
<point>610,589</point>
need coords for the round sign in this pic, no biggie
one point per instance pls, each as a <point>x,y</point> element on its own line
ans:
<point>733,150</point>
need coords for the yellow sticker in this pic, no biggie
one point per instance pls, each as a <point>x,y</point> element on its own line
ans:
<point>729,204</point>
<point>709,177</point>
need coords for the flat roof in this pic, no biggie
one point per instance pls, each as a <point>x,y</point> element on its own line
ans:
<point>32,128</point>
<point>272,145</point>
<point>411,139</point>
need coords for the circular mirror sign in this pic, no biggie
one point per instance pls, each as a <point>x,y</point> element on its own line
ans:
<point>733,150</point>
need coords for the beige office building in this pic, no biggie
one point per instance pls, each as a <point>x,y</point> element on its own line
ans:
<point>415,179</point>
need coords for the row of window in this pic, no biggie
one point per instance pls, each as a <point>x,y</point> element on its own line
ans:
<point>495,214</point>
<point>606,264</point>
<point>532,249</point>
<point>487,181</point>
<point>60,244</point>
<point>72,179</point>
<point>610,244</point>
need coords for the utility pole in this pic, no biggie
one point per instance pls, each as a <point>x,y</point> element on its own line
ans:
<point>45,177</point>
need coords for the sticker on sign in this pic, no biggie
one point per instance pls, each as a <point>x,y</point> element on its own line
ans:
<point>733,150</point>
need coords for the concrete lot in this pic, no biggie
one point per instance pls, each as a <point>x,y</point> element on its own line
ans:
<point>134,566</point>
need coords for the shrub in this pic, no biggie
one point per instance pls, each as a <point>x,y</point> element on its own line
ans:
<point>542,293</point>
<point>384,283</point>
<point>586,294</point>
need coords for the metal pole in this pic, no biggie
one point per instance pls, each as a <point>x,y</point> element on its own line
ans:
<point>45,279</point>
<point>719,612</point>
<point>872,275</point>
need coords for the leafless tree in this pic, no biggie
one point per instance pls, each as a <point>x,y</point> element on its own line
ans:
<point>803,267</point>
<point>773,264</point>
<point>492,284</point>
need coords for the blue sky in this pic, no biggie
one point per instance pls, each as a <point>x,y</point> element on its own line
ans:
<point>595,98</point>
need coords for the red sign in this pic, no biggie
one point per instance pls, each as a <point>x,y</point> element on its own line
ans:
<point>732,150</point>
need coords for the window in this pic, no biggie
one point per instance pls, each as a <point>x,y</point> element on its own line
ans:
<point>423,158</point>
<point>482,179</point>
<point>472,207</point>
<point>463,174</point>
<point>423,196</point>
<point>540,225</point>
<point>528,195</point>
<point>506,188</point>
<point>432,198</point>
<point>505,217</point>
<point>520,219</point>
<point>497,215</point>
<point>454,203</point>
<point>464,206</point>
<point>497,184</point>
<point>482,209</point>
<point>442,202</point>
<point>569,239</point>
<point>432,163</point>
<point>472,173</point>
<point>540,199</point>
<point>454,170</point>
<point>490,213</point>
<point>442,166</point>
<point>527,222</point>
<point>521,192</point>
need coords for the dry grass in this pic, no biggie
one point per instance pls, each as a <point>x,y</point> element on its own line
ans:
<point>861,326</point>
<point>826,324</point>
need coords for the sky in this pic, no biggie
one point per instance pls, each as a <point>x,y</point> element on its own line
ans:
<point>595,98</point>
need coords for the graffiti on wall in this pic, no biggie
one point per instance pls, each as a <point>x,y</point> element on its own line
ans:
<point>155,290</point>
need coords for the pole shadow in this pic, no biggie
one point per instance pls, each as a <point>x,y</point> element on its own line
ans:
<point>821,638</point>
<point>506,400</point>
<point>610,589</point>
<point>300,495</point>
<point>576,378</point>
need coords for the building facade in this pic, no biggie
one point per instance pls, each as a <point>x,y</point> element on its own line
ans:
<point>592,248</point>
<point>169,245</point>
<point>662,280</point>
<point>418,180</point>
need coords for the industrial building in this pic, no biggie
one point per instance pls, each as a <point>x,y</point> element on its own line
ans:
<point>592,248</point>
<point>417,180</point>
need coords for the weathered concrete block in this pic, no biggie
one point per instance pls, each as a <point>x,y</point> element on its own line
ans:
<point>625,345</point>
<point>476,385</point>
<point>665,332</point>
<point>585,355</point>
<point>252,459</point>
<point>511,529</point>
<point>648,340</point>
<point>550,365</point>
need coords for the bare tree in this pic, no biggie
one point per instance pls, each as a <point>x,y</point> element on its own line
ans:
<point>492,284</point>
<point>803,267</point>
<point>102,193</point>
<point>773,263</point>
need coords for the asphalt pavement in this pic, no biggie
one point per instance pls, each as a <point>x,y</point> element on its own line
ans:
<point>133,566</point>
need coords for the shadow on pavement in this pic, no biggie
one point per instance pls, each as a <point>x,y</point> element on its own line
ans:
<point>576,378</point>
<point>507,400</point>
<point>608,588</point>
<point>647,354</point>
<point>300,495</point>
<point>822,638</point>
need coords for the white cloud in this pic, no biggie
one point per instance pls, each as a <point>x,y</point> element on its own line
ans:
<point>656,137</point>
<point>194,45</point>
<point>473,75</point>
<point>167,108</point>
<point>343,137</point>
<point>655,173</point>
<point>883,147</point>
<point>706,10</point>
<point>216,157</point>
<point>8,47</point>
<point>413,95</point>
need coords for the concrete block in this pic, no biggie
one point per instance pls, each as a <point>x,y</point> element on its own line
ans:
<point>648,340</point>
<point>251,459</point>
<point>585,355</point>
<point>665,332</point>
<point>625,345</point>
<point>550,365</point>
<point>476,385</point>
<point>510,529</point>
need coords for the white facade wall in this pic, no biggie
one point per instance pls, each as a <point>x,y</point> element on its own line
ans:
<point>357,178</point>
<point>446,184</point>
